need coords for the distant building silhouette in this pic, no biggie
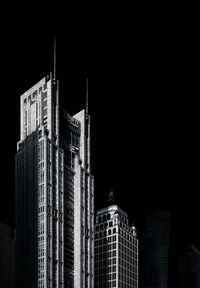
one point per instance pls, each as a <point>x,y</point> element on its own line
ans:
<point>7,257</point>
<point>116,248</point>
<point>189,268</point>
<point>154,250</point>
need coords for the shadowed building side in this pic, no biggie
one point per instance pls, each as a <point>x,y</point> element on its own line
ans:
<point>189,268</point>
<point>154,250</point>
<point>7,256</point>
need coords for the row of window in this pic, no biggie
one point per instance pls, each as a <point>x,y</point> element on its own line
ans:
<point>110,284</point>
<point>103,261</point>
<point>104,269</point>
<point>111,223</point>
<point>105,248</point>
<point>41,151</point>
<point>130,264</point>
<point>104,226</point>
<point>105,233</point>
<point>105,241</point>
<point>126,283</point>
<point>106,262</point>
<point>36,93</point>
<point>103,218</point>
<point>106,217</point>
<point>105,255</point>
<point>41,209</point>
<point>129,257</point>
<point>123,233</point>
<point>126,238</point>
<point>127,247</point>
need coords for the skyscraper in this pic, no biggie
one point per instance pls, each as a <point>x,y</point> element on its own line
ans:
<point>78,200</point>
<point>54,192</point>
<point>7,256</point>
<point>39,191</point>
<point>154,250</point>
<point>189,268</point>
<point>116,248</point>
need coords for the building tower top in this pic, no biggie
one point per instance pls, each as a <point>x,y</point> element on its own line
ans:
<point>54,58</point>
<point>86,97</point>
<point>111,198</point>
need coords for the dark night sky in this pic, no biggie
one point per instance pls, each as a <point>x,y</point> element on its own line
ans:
<point>143,106</point>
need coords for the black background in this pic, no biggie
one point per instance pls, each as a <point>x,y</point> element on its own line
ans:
<point>143,101</point>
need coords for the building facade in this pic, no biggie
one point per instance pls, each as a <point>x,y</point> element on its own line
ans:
<point>7,256</point>
<point>78,199</point>
<point>52,181</point>
<point>189,268</point>
<point>154,250</point>
<point>116,249</point>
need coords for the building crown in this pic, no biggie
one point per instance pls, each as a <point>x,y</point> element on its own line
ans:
<point>111,199</point>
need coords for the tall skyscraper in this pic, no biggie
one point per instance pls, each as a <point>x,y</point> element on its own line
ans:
<point>154,250</point>
<point>7,256</point>
<point>189,268</point>
<point>54,193</point>
<point>116,248</point>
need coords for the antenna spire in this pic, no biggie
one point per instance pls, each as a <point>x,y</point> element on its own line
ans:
<point>54,58</point>
<point>87,96</point>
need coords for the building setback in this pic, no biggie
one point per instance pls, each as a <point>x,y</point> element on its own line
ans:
<point>7,256</point>
<point>54,193</point>
<point>116,249</point>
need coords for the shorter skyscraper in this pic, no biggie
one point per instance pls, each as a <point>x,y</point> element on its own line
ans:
<point>116,248</point>
<point>7,257</point>
<point>189,268</point>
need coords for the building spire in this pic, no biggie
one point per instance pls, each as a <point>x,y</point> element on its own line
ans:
<point>54,60</point>
<point>87,96</point>
<point>111,199</point>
